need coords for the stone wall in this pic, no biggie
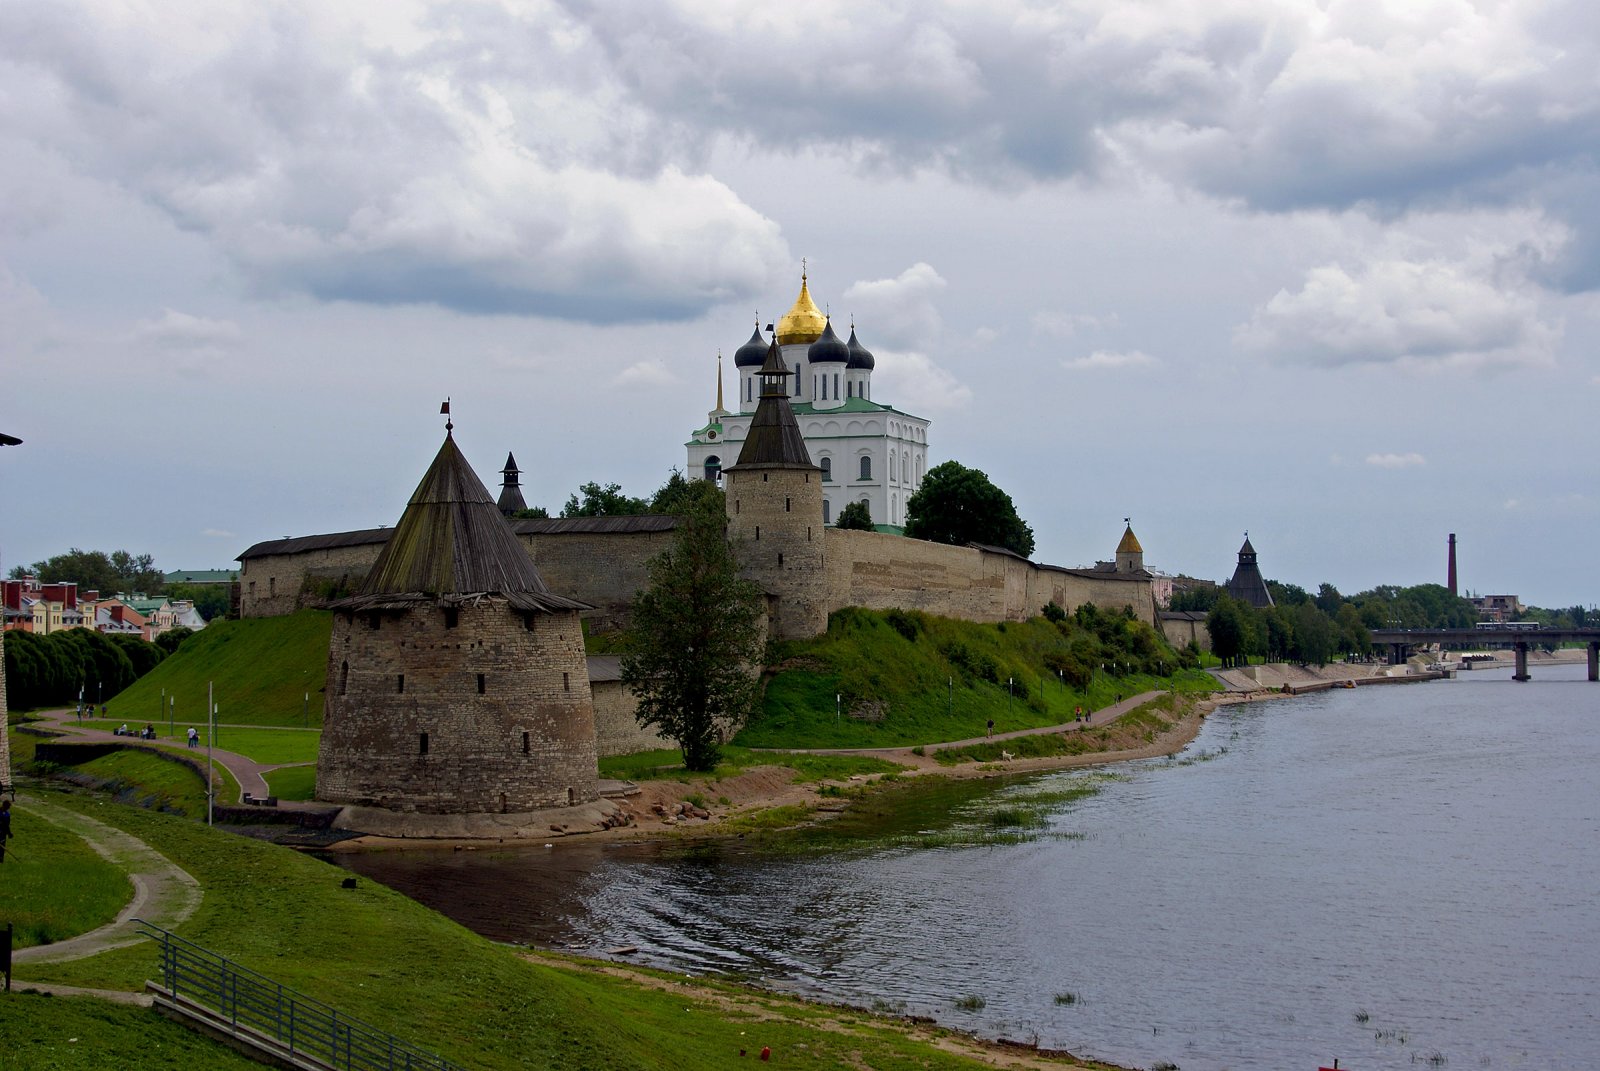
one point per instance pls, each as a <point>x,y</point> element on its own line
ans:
<point>1181,628</point>
<point>603,569</point>
<point>271,585</point>
<point>492,715</point>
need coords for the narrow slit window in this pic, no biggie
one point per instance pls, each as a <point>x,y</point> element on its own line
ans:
<point>566,682</point>
<point>527,742</point>
<point>780,557</point>
<point>786,505</point>
<point>452,617</point>
<point>422,743</point>
<point>400,683</point>
<point>758,531</point>
<point>482,684</point>
<point>344,676</point>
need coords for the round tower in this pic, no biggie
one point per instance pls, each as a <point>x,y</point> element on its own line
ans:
<point>774,503</point>
<point>457,681</point>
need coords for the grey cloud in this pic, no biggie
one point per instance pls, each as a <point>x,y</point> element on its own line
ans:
<point>488,170</point>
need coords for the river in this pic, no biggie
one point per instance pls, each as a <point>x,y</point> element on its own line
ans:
<point>1392,876</point>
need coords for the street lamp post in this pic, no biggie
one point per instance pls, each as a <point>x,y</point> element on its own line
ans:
<point>1011,691</point>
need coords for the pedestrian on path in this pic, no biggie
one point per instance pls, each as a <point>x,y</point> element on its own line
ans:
<point>5,827</point>
<point>991,727</point>
<point>194,737</point>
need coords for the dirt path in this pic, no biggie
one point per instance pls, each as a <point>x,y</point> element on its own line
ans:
<point>163,893</point>
<point>248,774</point>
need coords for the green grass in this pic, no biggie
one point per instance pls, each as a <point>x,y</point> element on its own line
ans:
<point>270,746</point>
<point>138,777</point>
<point>668,765</point>
<point>1139,726</point>
<point>293,782</point>
<point>54,885</point>
<point>261,669</point>
<point>72,1033</point>
<point>895,671</point>
<point>379,957</point>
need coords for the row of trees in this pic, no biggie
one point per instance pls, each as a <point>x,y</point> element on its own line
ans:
<point>95,570</point>
<point>50,670</point>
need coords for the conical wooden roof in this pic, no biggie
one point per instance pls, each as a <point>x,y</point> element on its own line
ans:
<point>452,544</point>
<point>774,438</point>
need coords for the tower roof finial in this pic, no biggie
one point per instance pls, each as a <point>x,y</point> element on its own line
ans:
<point>444,411</point>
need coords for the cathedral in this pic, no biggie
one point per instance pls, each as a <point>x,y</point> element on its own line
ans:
<point>868,452</point>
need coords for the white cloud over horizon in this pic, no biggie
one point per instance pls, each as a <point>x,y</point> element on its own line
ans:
<point>1396,461</point>
<point>1105,360</point>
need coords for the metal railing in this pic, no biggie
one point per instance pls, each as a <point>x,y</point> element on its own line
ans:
<point>242,999</point>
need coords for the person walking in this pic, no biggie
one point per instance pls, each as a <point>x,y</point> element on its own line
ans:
<point>5,826</point>
<point>194,737</point>
<point>991,727</point>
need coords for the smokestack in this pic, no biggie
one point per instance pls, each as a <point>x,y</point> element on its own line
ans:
<point>1452,581</point>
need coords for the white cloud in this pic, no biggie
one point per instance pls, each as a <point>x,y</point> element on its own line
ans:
<point>899,312</point>
<point>1067,324</point>
<point>644,374</point>
<point>1511,505</point>
<point>1105,360</point>
<point>218,533</point>
<point>193,344</point>
<point>917,384</point>
<point>1410,303</point>
<point>1396,461</point>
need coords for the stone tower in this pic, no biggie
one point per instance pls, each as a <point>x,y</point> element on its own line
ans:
<point>774,502</point>
<point>457,682</point>
<point>1130,555</point>
<point>1247,584</point>
<point>511,500</point>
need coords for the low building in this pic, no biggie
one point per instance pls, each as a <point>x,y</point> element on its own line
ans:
<point>1497,608</point>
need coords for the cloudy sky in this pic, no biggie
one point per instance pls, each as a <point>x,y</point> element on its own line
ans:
<point>1326,271</point>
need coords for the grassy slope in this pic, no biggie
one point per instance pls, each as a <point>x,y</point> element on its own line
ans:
<point>261,669</point>
<point>382,958</point>
<point>55,886</point>
<point>44,1033</point>
<point>905,683</point>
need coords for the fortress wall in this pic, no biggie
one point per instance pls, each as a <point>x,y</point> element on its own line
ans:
<point>1113,591</point>
<point>603,569</point>
<point>616,730</point>
<point>881,572</point>
<point>271,585</point>
<point>1180,632</point>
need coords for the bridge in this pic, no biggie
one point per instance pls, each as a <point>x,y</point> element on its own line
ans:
<point>1401,640</point>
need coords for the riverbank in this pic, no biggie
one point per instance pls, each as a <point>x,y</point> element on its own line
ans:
<point>770,797</point>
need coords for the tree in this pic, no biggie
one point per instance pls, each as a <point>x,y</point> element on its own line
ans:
<point>695,643</point>
<point>607,501</point>
<point>959,505</point>
<point>529,513</point>
<point>95,570</point>
<point>681,496</point>
<point>857,516</point>
<point>1229,630</point>
<point>211,600</point>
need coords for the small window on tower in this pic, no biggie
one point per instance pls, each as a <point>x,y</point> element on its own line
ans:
<point>566,682</point>
<point>786,505</point>
<point>344,676</point>
<point>422,743</point>
<point>780,557</point>
<point>482,684</point>
<point>452,617</point>
<point>758,531</point>
<point>527,742</point>
<point>400,684</point>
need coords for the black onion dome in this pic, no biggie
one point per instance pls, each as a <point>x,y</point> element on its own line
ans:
<point>830,347</point>
<point>860,356</point>
<point>752,353</point>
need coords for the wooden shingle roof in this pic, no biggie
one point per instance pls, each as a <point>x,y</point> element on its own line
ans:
<point>451,546</point>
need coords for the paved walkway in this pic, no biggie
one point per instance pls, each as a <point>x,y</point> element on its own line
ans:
<point>1097,718</point>
<point>249,774</point>
<point>163,893</point>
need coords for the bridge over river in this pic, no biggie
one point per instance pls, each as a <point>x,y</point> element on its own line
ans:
<point>1402,640</point>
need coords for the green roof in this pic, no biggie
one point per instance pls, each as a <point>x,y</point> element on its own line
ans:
<point>202,576</point>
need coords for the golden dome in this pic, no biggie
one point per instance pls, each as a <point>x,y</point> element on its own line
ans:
<point>1130,543</point>
<point>804,322</point>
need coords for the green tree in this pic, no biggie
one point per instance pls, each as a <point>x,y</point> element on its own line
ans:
<point>171,639</point>
<point>857,516</point>
<point>530,513</point>
<point>959,505</point>
<point>607,501</point>
<point>1230,632</point>
<point>681,496</point>
<point>211,600</point>
<point>1314,634</point>
<point>695,643</point>
<point>95,570</point>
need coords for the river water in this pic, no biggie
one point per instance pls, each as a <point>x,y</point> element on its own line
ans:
<point>1392,876</point>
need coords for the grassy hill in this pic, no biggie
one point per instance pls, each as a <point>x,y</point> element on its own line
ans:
<point>910,678</point>
<point>261,669</point>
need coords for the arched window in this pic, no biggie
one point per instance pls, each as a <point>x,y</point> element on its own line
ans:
<point>713,468</point>
<point>866,466</point>
<point>827,511</point>
<point>890,470</point>
<point>894,509</point>
<point>905,468</point>
<point>826,465</point>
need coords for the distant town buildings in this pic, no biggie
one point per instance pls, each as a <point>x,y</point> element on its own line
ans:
<point>1497,607</point>
<point>43,608</point>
